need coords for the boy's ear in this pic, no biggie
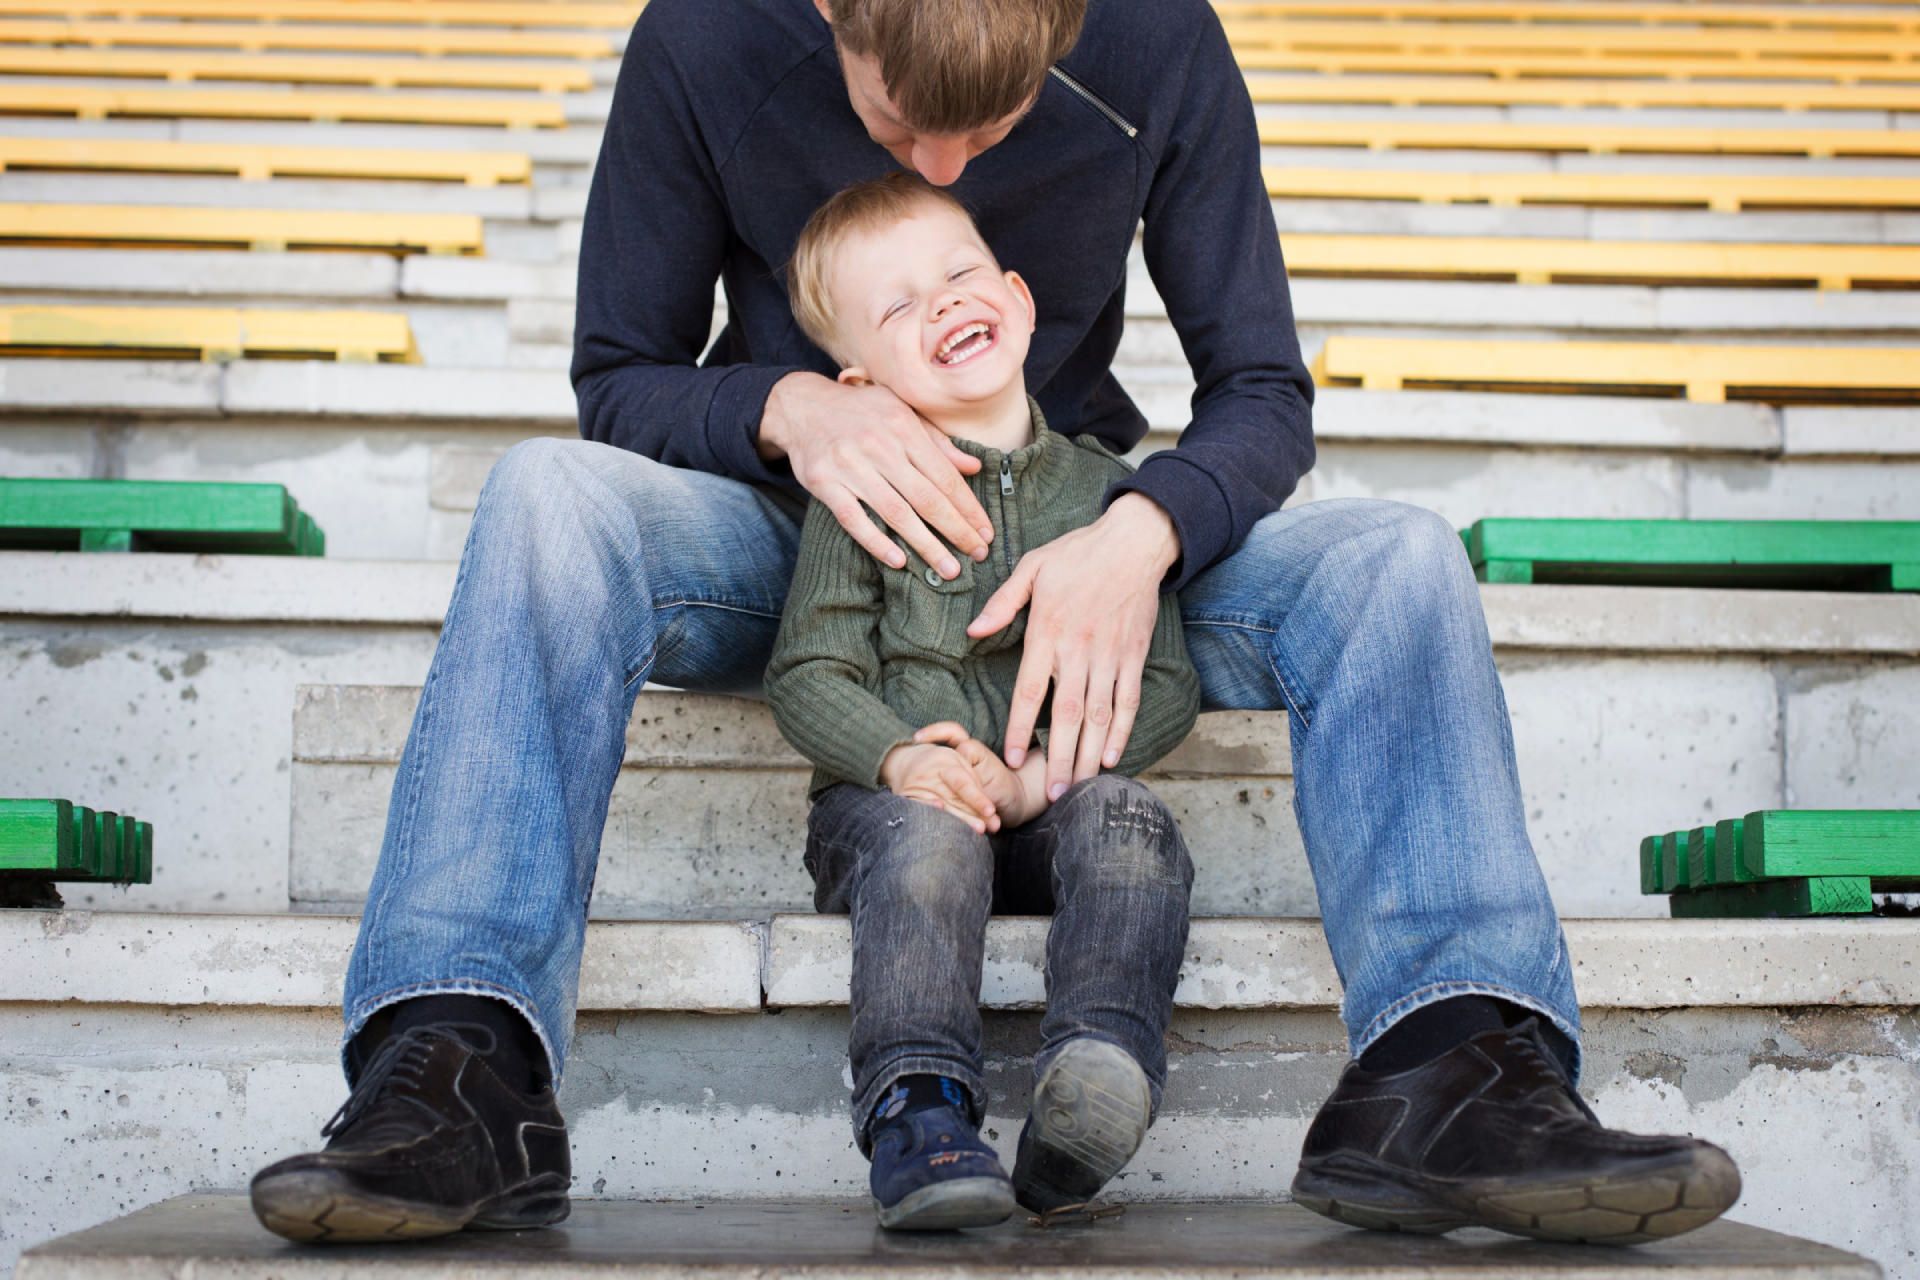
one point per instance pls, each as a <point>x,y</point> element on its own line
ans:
<point>854,376</point>
<point>1020,291</point>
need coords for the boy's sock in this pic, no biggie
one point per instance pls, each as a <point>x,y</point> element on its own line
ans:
<point>914,1093</point>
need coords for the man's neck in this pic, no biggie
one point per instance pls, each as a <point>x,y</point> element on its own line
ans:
<point>1004,422</point>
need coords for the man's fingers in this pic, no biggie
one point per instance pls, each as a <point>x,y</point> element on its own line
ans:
<point>905,521</point>
<point>1126,705</point>
<point>853,518</point>
<point>965,799</point>
<point>1097,720</point>
<point>1029,691</point>
<point>945,498</point>
<point>1005,604</point>
<point>1069,707</point>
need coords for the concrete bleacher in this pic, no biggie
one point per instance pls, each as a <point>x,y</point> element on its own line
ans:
<point>272,697</point>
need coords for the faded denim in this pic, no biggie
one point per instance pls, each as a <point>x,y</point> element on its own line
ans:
<point>1105,860</point>
<point>591,570</point>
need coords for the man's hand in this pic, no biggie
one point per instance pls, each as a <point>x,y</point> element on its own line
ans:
<point>850,445</point>
<point>1018,796</point>
<point>1094,593</point>
<point>941,777</point>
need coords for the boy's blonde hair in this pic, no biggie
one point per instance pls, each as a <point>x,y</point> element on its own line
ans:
<point>959,65</point>
<point>864,206</point>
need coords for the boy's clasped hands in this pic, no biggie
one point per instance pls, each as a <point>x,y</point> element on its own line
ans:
<point>948,768</point>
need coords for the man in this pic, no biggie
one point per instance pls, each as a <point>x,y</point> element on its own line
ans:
<point>661,547</point>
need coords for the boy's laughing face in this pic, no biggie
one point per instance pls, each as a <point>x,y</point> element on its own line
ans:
<point>921,308</point>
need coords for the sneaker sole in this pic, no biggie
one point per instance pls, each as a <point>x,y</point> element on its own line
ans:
<point>1634,1206</point>
<point>320,1206</point>
<point>1090,1113</point>
<point>949,1206</point>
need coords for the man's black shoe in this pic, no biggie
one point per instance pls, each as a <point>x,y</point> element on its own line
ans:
<point>1491,1134</point>
<point>431,1141</point>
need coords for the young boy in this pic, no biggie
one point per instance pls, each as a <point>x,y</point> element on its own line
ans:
<point>918,830</point>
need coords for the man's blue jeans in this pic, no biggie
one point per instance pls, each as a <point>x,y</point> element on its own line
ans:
<point>591,570</point>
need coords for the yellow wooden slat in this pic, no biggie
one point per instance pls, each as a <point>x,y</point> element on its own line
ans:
<point>1592,65</point>
<point>1699,372</point>
<point>278,229</point>
<point>1468,37</point>
<point>208,333</point>
<point>259,37</point>
<point>1533,260</point>
<point>258,162</point>
<point>1728,193</point>
<point>483,13</point>
<point>1382,135</point>
<point>1627,94</point>
<point>1566,11</point>
<point>91,103</point>
<point>381,72</point>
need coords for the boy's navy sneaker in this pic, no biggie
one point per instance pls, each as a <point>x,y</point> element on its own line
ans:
<point>1091,1108</point>
<point>931,1172</point>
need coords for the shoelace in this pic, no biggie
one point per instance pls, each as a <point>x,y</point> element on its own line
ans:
<point>402,1057</point>
<point>1546,1068</point>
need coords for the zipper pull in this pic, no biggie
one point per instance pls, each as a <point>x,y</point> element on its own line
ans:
<point>1006,475</point>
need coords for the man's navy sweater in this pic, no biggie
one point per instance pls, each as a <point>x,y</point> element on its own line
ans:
<point>731,125</point>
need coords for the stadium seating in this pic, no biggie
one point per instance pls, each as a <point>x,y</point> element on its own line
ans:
<point>1808,554</point>
<point>1700,372</point>
<point>1538,260</point>
<point>184,67</point>
<point>1720,193</point>
<point>261,229</point>
<point>155,515</point>
<point>89,102</point>
<point>259,162</point>
<point>1382,135</point>
<point>258,37</point>
<point>206,333</point>
<point>1784,863</point>
<point>1765,16</point>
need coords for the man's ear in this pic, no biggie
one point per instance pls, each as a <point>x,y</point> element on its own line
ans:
<point>1020,291</point>
<point>854,376</point>
<point>825,12</point>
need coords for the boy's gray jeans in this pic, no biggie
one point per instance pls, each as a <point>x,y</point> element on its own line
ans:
<point>1105,860</point>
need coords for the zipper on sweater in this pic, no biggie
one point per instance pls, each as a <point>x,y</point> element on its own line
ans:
<point>1003,539</point>
<point>1095,101</point>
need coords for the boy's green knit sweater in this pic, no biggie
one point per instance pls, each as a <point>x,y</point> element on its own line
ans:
<point>868,654</point>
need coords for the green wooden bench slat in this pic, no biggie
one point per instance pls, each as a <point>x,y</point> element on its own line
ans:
<point>1834,842</point>
<point>1673,867</point>
<point>38,835</point>
<point>1700,843</point>
<point>1650,865</point>
<point>1871,554</point>
<point>1729,857</point>
<point>60,840</point>
<point>1811,896</point>
<point>158,515</point>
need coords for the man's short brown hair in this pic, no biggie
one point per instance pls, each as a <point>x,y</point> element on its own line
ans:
<point>959,65</point>
<point>864,206</point>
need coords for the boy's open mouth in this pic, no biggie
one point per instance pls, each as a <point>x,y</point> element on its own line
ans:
<point>963,344</point>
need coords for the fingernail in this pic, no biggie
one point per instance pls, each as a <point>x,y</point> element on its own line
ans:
<point>1057,790</point>
<point>949,567</point>
<point>1110,759</point>
<point>986,531</point>
<point>980,554</point>
<point>1016,757</point>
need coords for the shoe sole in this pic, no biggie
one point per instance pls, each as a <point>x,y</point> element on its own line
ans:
<point>1090,1113</point>
<point>950,1206</point>
<point>1634,1206</point>
<point>320,1206</point>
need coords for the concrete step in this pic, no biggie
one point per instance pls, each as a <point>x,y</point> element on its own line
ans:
<point>836,1240</point>
<point>224,1056</point>
<point>1765,699</point>
<point>718,831</point>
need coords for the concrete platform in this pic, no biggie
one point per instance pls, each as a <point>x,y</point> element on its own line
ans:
<point>615,1240</point>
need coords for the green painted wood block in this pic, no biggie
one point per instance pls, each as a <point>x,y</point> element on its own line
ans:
<point>1650,865</point>
<point>1832,554</point>
<point>1729,861</point>
<point>1833,842</point>
<point>143,863</point>
<point>1519,571</point>
<point>86,835</point>
<point>155,515</point>
<point>1700,858</point>
<point>1673,864</point>
<point>38,836</point>
<point>1810,896</point>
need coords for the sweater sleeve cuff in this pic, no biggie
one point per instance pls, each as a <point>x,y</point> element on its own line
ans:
<point>869,740</point>
<point>733,422</point>
<point>1193,500</point>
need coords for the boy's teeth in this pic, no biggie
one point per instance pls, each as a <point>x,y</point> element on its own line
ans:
<point>964,338</point>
